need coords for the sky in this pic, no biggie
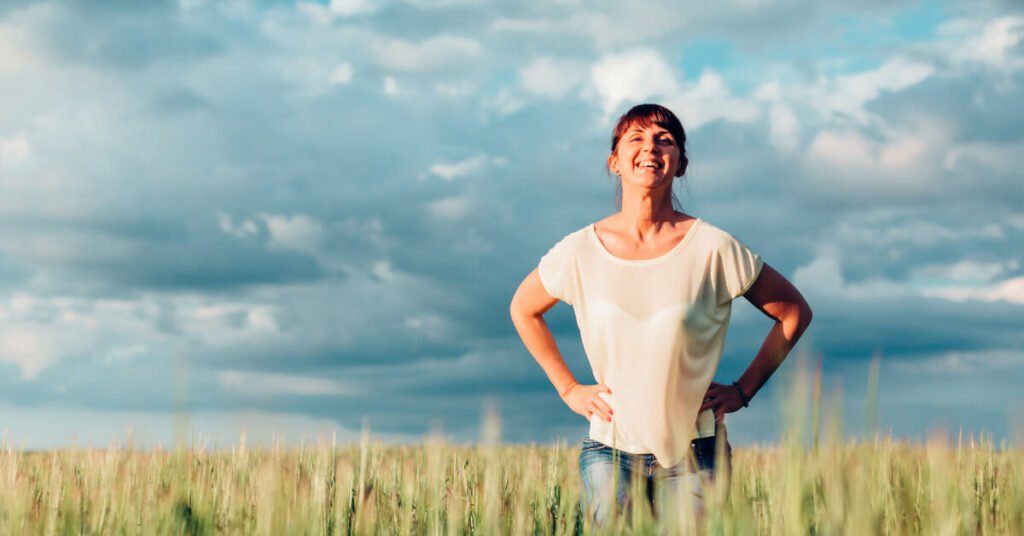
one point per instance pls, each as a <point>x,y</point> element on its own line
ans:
<point>302,218</point>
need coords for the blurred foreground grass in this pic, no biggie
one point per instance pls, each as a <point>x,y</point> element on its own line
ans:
<point>881,487</point>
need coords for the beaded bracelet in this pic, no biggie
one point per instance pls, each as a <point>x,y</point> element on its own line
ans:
<point>743,396</point>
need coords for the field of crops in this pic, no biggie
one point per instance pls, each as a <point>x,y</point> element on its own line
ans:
<point>880,487</point>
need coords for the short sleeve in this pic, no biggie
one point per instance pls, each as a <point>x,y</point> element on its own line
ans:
<point>557,272</point>
<point>738,268</point>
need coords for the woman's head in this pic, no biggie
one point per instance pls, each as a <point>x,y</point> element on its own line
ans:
<point>643,116</point>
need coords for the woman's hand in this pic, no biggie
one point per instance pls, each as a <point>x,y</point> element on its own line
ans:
<point>583,399</point>
<point>723,399</point>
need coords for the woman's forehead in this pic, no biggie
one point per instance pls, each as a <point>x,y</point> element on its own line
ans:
<point>643,125</point>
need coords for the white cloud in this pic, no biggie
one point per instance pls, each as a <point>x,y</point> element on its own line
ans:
<point>299,232</point>
<point>784,130</point>
<point>438,4</point>
<point>550,77</point>
<point>963,271</point>
<point>125,353</point>
<point>708,100</point>
<point>470,166</point>
<point>506,102</point>
<point>324,14</point>
<point>995,46</point>
<point>436,53</point>
<point>822,277</point>
<point>351,8</point>
<point>846,94</point>
<point>30,348</point>
<point>999,157</point>
<point>342,74</point>
<point>390,86</point>
<point>260,383</point>
<point>886,232</point>
<point>15,53</point>
<point>1010,290</point>
<point>434,326</point>
<point>14,151</point>
<point>632,76</point>
<point>384,271</point>
<point>256,317</point>
<point>455,88</point>
<point>449,208</point>
<point>845,161</point>
<point>243,229</point>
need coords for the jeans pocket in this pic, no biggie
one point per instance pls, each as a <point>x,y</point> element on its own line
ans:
<point>704,452</point>
<point>589,445</point>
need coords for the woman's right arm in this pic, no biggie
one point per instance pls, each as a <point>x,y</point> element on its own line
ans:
<point>529,304</point>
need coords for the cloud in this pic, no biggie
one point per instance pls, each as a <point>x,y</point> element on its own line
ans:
<point>16,52</point>
<point>709,100</point>
<point>997,46</point>
<point>324,14</point>
<point>349,8</point>
<point>470,166</point>
<point>550,77</point>
<point>823,278</point>
<point>847,93</point>
<point>390,86</point>
<point>241,230</point>
<point>342,74</point>
<point>1002,158</point>
<point>263,384</point>
<point>28,348</point>
<point>1010,290</point>
<point>449,208</point>
<point>14,151</point>
<point>631,76</point>
<point>444,52</point>
<point>298,232</point>
<point>965,271</point>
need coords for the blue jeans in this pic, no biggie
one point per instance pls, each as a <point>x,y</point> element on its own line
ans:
<point>608,478</point>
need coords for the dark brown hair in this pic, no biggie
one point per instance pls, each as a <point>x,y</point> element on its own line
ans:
<point>643,115</point>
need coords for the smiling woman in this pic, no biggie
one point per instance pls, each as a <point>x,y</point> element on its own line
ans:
<point>652,289</point>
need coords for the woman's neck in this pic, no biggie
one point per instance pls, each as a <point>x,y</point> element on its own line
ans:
<point>645,211</point>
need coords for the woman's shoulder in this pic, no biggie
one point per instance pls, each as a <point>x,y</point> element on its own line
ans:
<point>574,239</point>
<point>714,235</point>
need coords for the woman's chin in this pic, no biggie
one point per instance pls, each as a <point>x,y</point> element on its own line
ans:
<point>646,182</point>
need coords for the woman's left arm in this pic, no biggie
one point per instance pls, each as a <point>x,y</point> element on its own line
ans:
<point>778,298</point>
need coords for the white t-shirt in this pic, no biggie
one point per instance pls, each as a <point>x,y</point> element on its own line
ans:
<point>653,330</point>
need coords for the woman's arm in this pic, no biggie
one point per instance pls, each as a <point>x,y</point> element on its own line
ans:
<point>779,299</point>
<point>529,304</point>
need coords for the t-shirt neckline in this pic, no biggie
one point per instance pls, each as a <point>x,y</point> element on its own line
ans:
<point>592,228</point>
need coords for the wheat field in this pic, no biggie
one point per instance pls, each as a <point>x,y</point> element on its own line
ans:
<point>878,487</point>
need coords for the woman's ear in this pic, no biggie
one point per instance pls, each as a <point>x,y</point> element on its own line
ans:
<point>682,166</point>
<point>613,163</point>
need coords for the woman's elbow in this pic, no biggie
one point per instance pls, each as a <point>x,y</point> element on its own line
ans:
<point>804,316</point>
<point>518,309</point>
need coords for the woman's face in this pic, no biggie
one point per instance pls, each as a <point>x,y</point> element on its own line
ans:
<point>646,156</point>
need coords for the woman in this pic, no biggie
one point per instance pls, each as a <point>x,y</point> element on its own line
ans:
<point>652,290</point>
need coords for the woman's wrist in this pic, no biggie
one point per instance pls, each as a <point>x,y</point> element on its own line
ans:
<point>564,393</point>
<point>743,395</point>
